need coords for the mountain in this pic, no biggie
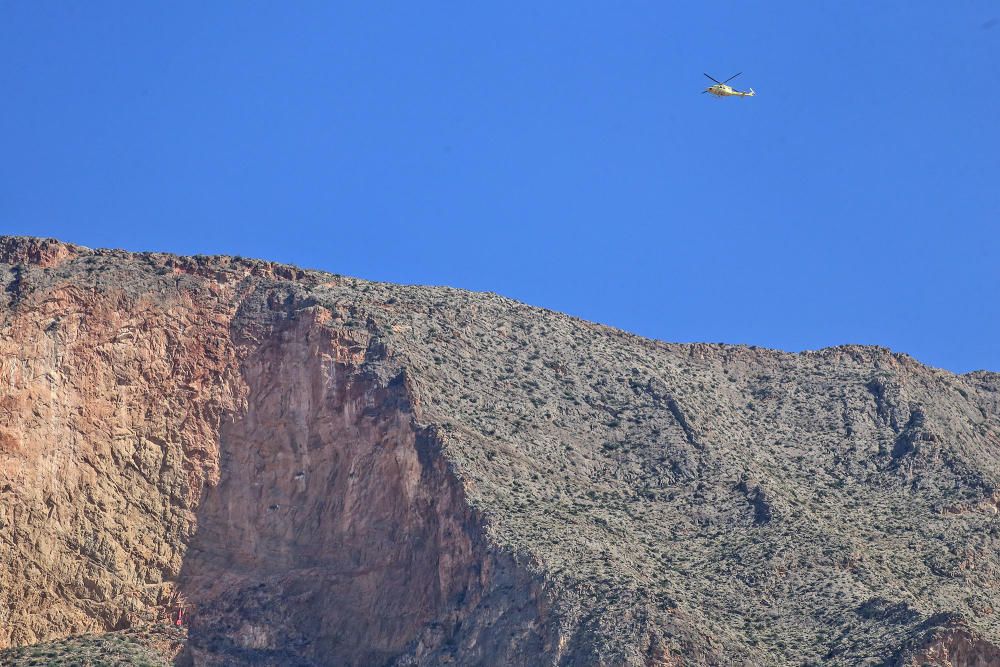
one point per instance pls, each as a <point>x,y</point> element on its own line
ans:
<point>290,467</point>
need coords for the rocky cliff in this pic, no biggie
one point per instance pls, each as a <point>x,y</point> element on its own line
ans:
<point>309,469</point>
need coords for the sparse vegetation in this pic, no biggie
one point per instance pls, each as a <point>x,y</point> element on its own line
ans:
<point>152,646</point>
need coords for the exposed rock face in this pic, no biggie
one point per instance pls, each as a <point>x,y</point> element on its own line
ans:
<point>114,389</point>
<point>345,536</point>
<point>322,470</point>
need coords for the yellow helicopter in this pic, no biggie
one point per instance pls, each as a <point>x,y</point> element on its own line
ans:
<point>722,90</point>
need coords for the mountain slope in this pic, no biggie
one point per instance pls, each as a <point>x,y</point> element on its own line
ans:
<point>323,470</point>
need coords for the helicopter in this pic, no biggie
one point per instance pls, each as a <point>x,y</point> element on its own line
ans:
<point>722,90</point>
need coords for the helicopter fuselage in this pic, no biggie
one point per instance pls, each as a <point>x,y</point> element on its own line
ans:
<point>722,90</point>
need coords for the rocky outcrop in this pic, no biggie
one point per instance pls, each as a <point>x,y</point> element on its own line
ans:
<point>109,418</point>
<point>946,640</point>
<point>337,532</point>
<point>311,469</point>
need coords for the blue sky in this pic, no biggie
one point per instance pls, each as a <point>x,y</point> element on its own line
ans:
<point>556,153</point>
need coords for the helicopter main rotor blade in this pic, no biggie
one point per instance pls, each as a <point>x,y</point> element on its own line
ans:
<point>732,77</point>
<point>712,78</point>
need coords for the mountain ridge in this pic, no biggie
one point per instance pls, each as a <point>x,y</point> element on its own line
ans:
<point>42,251</point>
<point>494,482</point>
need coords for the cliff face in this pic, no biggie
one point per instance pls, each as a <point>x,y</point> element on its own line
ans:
<point>322,470</point>
<point>336,530</point>
<point>113,391</point>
